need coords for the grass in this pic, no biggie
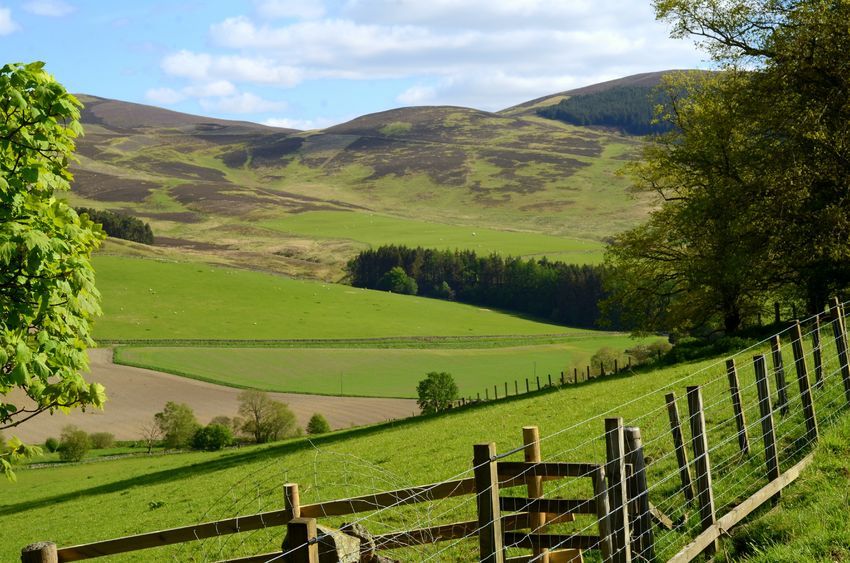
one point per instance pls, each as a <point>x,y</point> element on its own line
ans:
<point>150,299</point>
<point>114,498</point>
<point>377,230</point>
<point>373,372</point>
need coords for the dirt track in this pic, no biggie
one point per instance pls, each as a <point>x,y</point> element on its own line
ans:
<point>136,394</point>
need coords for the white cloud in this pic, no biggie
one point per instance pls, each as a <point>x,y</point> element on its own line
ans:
<point>164,96</point>
<point>303,124</point>
<point>7,24</point>
<point>299,9</point>
<point>50,8</point>
<point>203,66</point>
<point>218,88</point>
<point>243,103</point>
<point>187,64</point>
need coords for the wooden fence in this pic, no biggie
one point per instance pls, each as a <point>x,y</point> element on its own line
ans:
<point>625,522</point>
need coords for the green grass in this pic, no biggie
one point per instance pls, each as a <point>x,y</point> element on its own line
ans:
<point>376,230</point>
<point>150,299</point>
<point>373,372</point>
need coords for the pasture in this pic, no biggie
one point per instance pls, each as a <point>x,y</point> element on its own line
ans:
<point>373,372</point>
<point>149,299</point>
<point>376,230</point>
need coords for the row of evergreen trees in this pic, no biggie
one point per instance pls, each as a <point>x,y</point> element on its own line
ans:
<point>120,225</point>
<point>563,293</point>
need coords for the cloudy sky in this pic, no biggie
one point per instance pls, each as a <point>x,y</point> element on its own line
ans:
<point>305,64</point>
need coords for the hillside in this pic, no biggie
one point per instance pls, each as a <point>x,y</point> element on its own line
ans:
<point>249,195</point>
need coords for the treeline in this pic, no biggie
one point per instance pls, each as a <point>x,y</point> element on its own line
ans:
<point>627,108</point>
<point>563,293</point>
<point>120,225</point>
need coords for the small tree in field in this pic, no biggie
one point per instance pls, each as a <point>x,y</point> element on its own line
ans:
<point>150,433</point>
<point>436,392</point>
<point>212,437</point>
<point>318,424</point>
<point>73,444</point>
<point>266,420</point>
<point>177,423</point>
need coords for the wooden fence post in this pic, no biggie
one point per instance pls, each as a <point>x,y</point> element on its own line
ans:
<point>516,387</point>
<point>615,472</point>
<point>42,552</point>
<point>779,374</point>
<point>301,545</point>
<point>702,463</point>
<point>549,375</point>
<point>679,444</point>
<point>486,394</point>
<point>538,382</point>
<point>603,514</point>
<point>816,353</point>
<point>495,392</point>
<point>589,375</point>
<point>643,548</point>
<point>526,385</point>
<point>292,500</point>
<point>803,381</point>
<point>531,441</point>
<point>767,430</point>
<point>575,375</point>
<point>563,379</point>
<point>740,419</point>
<point>490,536</point>
<point>616,367</point>
<point>841,344</point>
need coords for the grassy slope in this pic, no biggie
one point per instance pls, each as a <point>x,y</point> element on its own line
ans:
<point>372,372</point>
<point>162,300</point>
<point>112,498</point>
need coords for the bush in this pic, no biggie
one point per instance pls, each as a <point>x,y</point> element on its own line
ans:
<point>265,420</point>
<point>436,392</point>
<point>212,437</point>
<point>177,424</point>
<point>101,440</point>
<point>51,444</point>
<point>397,281</point>
<point>318,424</point>
<point>74,444</point>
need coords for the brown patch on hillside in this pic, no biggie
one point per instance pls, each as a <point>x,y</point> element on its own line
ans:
<point>105,187</point>
<point>190,244</point>
<point>553,206</point>
<point>176,216</point>
<point>181,170</point>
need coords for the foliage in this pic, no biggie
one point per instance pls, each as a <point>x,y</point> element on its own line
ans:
<point>47,293</point>
<point>51,444</point>
<point>177,423</point>
<point>397,281</point>
<point>101,440</point>
<point>266,420</point>
<point>644,353</point>
<point>630,109</point>
<point>74,444</point>
<point>436,392</point>
<point>150,433</point>
<point>604,357</point>
<point>563,293</point>
<point>318,424</point>
<point>119,225</point>
<point>212,437</point>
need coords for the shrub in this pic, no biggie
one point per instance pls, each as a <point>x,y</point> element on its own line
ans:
<point>73,444</point>
<point>266,420</point>
<point>318,424</point>
<point>212,437</point>
<point>397,281</point>
<point>51,444</point>
<point>101,440</point>
<point>436,392</point>
<point>177,423</point>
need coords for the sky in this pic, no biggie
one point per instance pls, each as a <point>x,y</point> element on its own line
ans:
<point>309,64</point>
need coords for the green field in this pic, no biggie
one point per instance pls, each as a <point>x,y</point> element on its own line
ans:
<point>377,230</point>
<point>372,372</point>
<point>114,498</point>
<point>147,299</point>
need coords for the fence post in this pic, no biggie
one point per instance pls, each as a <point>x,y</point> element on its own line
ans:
<point>643,548</point>
<point>490,537</point>
<point>803,381</point>
<point>841,344</point>
<point>616,367</point>
<point>779,374</point>
<point>538,382</point>
<point>575,375</point>
<point>550,379</point>
<point>495,392</point>
<point>563,379</point>
<point>740,419</point>
<point>767,430</point>
<point>516,387</point>
<point>816,353</point>
<point>615,472</point>
<point>486,394</point>
<point>702,463</point>
<point>531,441</point>
<point>603,511</point>
<point>526,385</point>
<point>776,316</point>
<point>292,500</point>
<point>506,389</point>
<point>41,552</point>
<point>679,444</point>
<point>589,375</point>
<point>300,544</point>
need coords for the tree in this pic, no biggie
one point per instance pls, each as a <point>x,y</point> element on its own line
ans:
<point>212,437</point>
<point>318,424</point>
<point>177,423</point>
<point>150,433</point>
<point>266,420</point>
<point>799,79</point>
<point>47,294</point>
<point>397,281</point>
<point>101,440</point>
<point>74,444</point>
<point>436,392</point>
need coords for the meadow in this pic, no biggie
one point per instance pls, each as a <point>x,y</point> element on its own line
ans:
<point>117,497</point>
<point>374,372</point>
<point>376,230</point>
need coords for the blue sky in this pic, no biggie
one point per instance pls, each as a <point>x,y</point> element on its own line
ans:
<point>306,64</point>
